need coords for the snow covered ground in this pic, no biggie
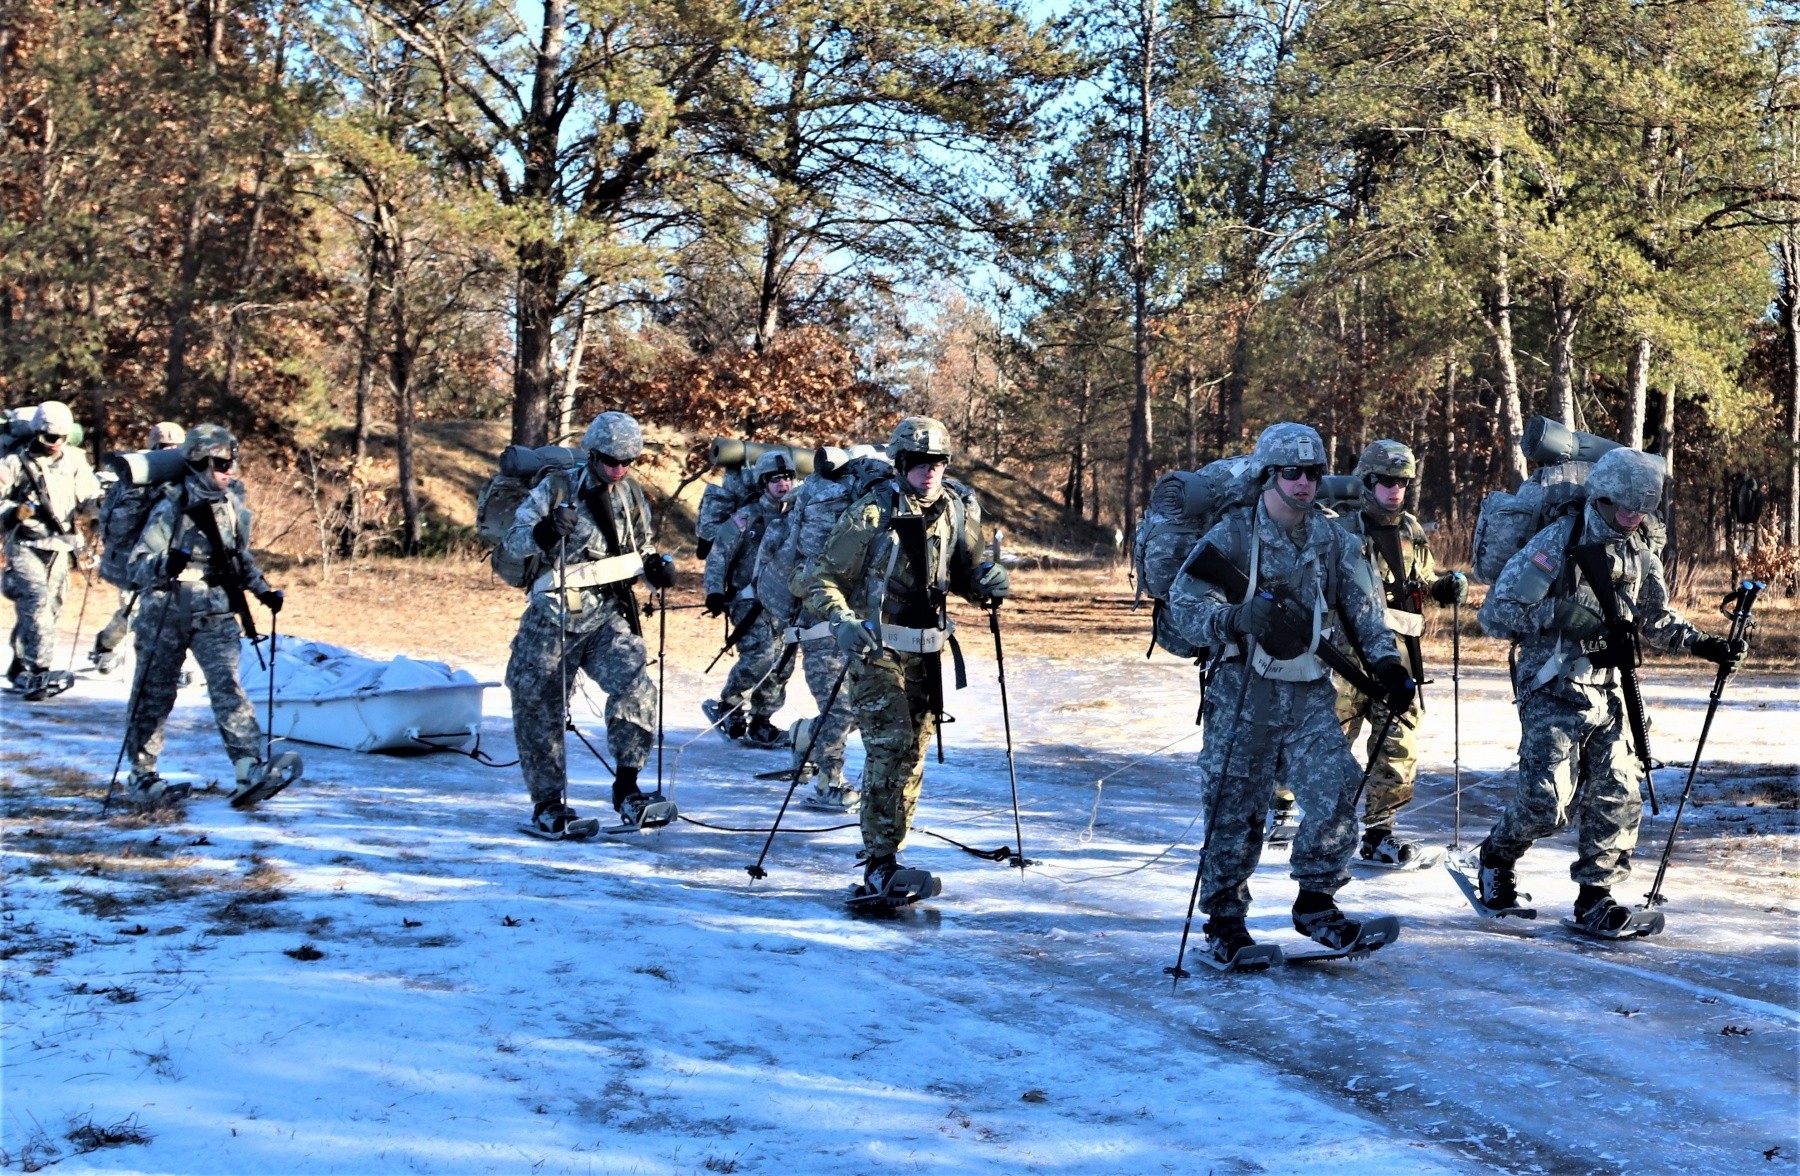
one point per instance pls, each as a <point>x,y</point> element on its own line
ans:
<point>379,973</point>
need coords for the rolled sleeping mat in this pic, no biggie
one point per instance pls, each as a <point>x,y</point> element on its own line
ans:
<point>829,459</point>
<point>730,453</point>
<point>1547,442</point>
<point>148,467</point>
<point>1340,487</point>
<point>519,461</point>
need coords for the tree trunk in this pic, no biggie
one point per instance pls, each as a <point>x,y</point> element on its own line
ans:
<point>402,361</point>
<point>542,263</point>
<point>1637,393</point>
<point>768,292</point>
<point>1790,322</point>
<point>571,379</point>
<point>1511,438</point>
<point>1673,551</point>
<point>1565,317</point>
<point>181,311</point>
<point>1139,461</point>
<point>1452,433</point>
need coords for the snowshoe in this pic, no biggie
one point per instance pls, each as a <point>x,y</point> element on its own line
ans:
<point>1388,852</point>
<point>106,660</point>
<point>1283,824</point>
<point>643,811</point>
<point>1603,917</point>
<point>1498,881</point>
<point>1229,947</point>
<point>889,886</point>
<point>556,821</point>
<point>1371,935</point>
<point>146,791</point>
<point>258,781</point>
<point>761,733</point>
<point>40,685</point>
<point>729,724</point>
<point>843,799</point>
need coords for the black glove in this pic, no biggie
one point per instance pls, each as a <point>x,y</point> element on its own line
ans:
<point>175,561</point>
<point>659,571</point>
<point>561,523</point>
<point>992,582</point>
<point>1727,652</point>
<point>1450,588</point>
<point>701,547</point>
<point>1256,617</point>
<point>271,599</point>
<point>1397,687</point>
<point>1579,616</point>
<point>715,603</point>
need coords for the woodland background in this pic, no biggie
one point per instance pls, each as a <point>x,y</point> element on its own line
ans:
<point>1101,238</point>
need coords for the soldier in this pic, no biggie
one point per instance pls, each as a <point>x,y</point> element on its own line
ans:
<point>583,616</point>
<point>759,677</point>
<point>44,486</point>
<point>882,582</point>
<point>839,478</point>
<point>1394,543</point>
<point>114,565</point>
<point>1573,752</point>
<point>192,566</point>
<point>1270,710</point>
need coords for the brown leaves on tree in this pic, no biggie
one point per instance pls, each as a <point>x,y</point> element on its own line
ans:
<point>802,387</point>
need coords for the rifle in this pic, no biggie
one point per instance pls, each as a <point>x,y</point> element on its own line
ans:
<point>229,563</point>
<point>737,633</point>
<point>1620,653</point>
<point>1210,564</point>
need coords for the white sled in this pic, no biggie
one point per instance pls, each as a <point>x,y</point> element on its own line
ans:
<point>329,695</point>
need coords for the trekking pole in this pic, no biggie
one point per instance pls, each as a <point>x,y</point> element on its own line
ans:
<point>1742,601</point>
<point>662,657</point>
<point>757,871</point>
<point>562,655</point>
<point>269,727</point>
<point>1012,775</point>
<point>87,580</point>
<point>1212,812</point>
<point>1387,728</point>
<point>144,658</point>
<point>1456,718</point>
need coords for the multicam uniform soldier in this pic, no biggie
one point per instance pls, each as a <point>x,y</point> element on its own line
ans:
<point>1394,543</point>
<point>839,478</point>
<point>1270,709</point>
<point>192,566</point>
<point>44,487</point>
<point>584,617</point>
<point>1575,759</point>
<point>758,680</point>
<point>106,654</point>
<point>882,582</point>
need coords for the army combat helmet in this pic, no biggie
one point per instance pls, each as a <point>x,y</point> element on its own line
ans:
<point>208,441</point>
<point>53,419</point>
<point>1627,479</point>
<point>918,439</point>
<point>1384,459</point>
<point>776,463</point>
<point>166,435</point>
<point>1287,444</point>
<point>615,435</point>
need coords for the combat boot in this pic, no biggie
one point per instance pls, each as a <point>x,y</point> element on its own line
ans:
<point>1499,882</point>
<point>1316,916</point>
<point>730,725</point>
<point>1226,935</point>
<point>145,790</point>
<point>1597,911</point>
<point>764,734</point>
<point>1382,847</point>
<point>258,781</point>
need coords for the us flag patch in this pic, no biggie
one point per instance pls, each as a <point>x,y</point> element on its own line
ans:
<point>1542,559</point>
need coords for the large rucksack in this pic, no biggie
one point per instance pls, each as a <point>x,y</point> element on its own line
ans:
<point>497,504</point>
<point>138,481</point>
<point>1184,506</point>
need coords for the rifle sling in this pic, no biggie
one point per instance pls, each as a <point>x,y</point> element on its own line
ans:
<point>221,566</point>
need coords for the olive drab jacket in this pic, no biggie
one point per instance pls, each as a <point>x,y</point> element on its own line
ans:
<point>1522,602</point>
<point>1400,557</point>
<point>605,555</point>
<point>887,559</point>
<point>56,488</point>
<point>177,522</point>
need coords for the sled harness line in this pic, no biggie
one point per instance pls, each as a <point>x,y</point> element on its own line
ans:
<point>475,753</point>
<point>735,829</point>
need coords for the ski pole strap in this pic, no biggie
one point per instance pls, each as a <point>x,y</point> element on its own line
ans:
<point>1005,853</point>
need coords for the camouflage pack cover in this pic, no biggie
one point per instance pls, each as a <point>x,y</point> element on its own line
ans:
<point>1184,506</point>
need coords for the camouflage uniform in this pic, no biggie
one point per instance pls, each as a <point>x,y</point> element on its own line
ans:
<point>758,680</point>
<point>1575,756</point>
<point>717,502</point>
<point>592,627</point>
<point>192,611</point>
<point>863,576</point>
<point>123,496</point>
<point>817,505</point>
<point>1283,731</point>
<point>40,549</point>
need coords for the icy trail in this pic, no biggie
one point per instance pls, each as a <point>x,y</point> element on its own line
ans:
<point>488,1002</point>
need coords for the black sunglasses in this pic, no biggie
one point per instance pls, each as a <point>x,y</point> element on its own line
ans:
<point>214,463</point>
<point>1391,481</point>
<point>608,460</point>
<point>1311,473</point>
